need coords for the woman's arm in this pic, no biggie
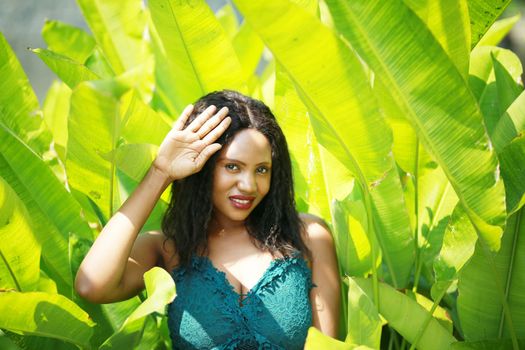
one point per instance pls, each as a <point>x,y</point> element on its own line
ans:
<point>326,296</point>
<point>114,267</point>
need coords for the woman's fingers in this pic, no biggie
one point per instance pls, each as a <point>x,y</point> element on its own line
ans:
<point>205,154</point>
<point>211,123</point>
<point>217,131</point>
<point>201,118</point>
<point>181,121</point>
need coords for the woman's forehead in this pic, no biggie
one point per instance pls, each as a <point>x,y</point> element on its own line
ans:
<point>248,146</point>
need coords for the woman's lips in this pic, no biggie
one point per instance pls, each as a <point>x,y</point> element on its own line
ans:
<point>242,202</point>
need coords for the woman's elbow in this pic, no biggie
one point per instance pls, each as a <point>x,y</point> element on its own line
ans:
<point>87,290</point>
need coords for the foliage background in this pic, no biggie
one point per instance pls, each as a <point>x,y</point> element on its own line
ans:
<point>404,121</point>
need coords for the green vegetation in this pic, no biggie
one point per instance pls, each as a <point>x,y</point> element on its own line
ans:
<point>405,124</point>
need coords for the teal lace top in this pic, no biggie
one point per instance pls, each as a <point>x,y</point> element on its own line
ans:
<point>207,314</point>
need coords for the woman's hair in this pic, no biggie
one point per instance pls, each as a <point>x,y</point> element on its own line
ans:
<point>274,225</point>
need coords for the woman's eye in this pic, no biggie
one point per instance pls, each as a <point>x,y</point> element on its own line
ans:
<point>262,170</point>
<point>231,167</point>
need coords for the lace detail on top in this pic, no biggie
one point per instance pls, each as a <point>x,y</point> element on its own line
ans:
<point>275,314</point>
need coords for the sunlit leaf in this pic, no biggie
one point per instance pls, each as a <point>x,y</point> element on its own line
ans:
<point>68,40</point>
<point>19,263</point>
<point>70,72</point>
<point>42,314</point>
<point>192,61</point>
<point>161,291</point>
<point>364,323</point>
<point>420,76</point>
<point>498,31</point>
<point>492,288</point>
<point>483,13</point>
<point>19,109</point>
<point>402,313</point>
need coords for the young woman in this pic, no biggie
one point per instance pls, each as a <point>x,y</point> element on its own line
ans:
<point>250,272</point>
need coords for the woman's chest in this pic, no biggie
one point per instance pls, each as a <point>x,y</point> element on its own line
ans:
<point>276,310</point>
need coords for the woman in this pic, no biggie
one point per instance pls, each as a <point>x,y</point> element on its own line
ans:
<point>250,271</point>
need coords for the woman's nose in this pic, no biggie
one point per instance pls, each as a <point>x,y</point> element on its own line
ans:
<point>247,183</point>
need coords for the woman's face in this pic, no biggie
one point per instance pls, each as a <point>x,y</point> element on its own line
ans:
<point>242,177</point>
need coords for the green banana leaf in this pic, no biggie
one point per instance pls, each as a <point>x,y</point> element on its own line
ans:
<point>364,322</point>
<point>498,71</point>
<point>101,138</point>
<point>19,263</point>
<point>192,60</point>
<point>402,313</point>
<point>317,340</point>
<point>54,212</point>
<point>56,111</point>
<point>482,14</point>
<point>161,291</point>
<point>448,20</point>
<point>118,29</point>
<point>228,19</point>
<point>94,127</point>
<point>512,160</point>
<point>69,71</point>
<point>47,315</point>
<point>511,123</point>
<point>481,73</point>
<point>249,48</point>
<point>19,108</point>
<point>292,116</point>
<point>492,288</point>
<point>420,76</point>
<point>493,344</point>
<point>67,40</point>
<point>331,83</point>
<point>458,246</point>
<point>498,31</point>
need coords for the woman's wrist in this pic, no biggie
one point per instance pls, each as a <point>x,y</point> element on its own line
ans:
<point>159,176</point>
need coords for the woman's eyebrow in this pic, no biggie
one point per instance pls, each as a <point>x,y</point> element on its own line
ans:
<point>241,162</point>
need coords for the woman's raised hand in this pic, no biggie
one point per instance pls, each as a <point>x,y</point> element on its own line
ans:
<point>185,150</point>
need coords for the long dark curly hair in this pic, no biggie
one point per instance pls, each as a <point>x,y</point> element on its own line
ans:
<point>274,225</point>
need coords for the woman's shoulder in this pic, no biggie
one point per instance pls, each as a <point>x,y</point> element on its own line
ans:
<point>317,235</point>
<point>314,227</point>
<point>163,247</point>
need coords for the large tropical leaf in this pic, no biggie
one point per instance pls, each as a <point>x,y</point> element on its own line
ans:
<point>491,287</point>
<point>331,83</point>
<point>19,263</point>
<point>69,71</point>
<point>192,60</point>
<point>54,211</point>
<point>498,31</point>
<point>402,313</point>
<point>448,20</point>
<point>118,28</point>
<point>458,246</point>
<point>68,40</point>
<point>100,136</point>
<point>161,291</point>
<point>512,160</point>
<point>317,340</point>
<point>293,119</point>
<point>364,322</point>
<point>47,315</point>
<point>56,111</point>
<point>482,14</point>
<point>19,109</point>
<point>420,76</point>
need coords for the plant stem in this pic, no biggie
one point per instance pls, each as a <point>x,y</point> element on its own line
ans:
<point>428,319</point>
<point>416,229</point>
